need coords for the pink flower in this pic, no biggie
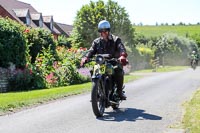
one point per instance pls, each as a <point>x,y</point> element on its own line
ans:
<point>51,79</point>
<point>31,72</point>
<point>26,31</point>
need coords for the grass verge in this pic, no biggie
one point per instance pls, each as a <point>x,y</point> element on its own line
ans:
<point>191,119</point>
<point>10,102</point>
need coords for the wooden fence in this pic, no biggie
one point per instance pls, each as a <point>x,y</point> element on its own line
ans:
<point>155,64</point>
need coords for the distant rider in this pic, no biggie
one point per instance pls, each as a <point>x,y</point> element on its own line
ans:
<point>194,56</point>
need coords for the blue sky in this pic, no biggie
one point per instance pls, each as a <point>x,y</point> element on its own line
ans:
<point>147,12</point>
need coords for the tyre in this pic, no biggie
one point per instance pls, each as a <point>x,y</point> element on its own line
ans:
<point>98,98</point>
<point>116,100</point>
<point>194,64</point>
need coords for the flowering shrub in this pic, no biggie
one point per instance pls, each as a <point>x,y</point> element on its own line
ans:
<point>60,70</point>
<point>73,55</point>
<point>51,79</point>
<point>66,67</point>
<point>85,72</point>
<point>43,68</point>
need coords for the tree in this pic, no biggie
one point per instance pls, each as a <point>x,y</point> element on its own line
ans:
<point>88,17</point>
<point>174,48</point>
<point>157,24</point>
<point>181,23</point>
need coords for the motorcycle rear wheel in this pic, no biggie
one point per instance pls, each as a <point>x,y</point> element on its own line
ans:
<point>115,106</point>
<point>98,98</point>
<point>194,64</point>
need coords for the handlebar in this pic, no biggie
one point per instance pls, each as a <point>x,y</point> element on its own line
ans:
<point>106,57</point>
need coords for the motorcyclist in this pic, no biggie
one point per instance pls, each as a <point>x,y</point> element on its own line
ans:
<point>108,43</point>
<point>194,56</point>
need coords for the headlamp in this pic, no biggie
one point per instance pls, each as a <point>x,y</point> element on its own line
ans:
<point>99,59</point>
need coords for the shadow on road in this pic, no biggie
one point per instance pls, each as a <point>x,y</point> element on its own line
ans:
<point>128,114</point>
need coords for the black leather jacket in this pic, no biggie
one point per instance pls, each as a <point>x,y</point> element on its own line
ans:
<point>114,47</point>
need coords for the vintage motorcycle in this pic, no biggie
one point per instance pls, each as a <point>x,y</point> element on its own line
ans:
<point>193,64</point>
<point>104,91</point>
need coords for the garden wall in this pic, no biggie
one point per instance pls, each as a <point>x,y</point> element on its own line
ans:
<point>3,79</point>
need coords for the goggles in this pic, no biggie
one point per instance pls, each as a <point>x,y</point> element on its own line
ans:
<point>103,30</point>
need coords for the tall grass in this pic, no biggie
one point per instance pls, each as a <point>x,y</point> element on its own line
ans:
<point>151,31</point>
<point>191,120</point>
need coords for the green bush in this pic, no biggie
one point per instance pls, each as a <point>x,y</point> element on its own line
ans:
<point>37,39</point>
<point>64,41</point>
<point>146,54</point>
<point>12,43</point>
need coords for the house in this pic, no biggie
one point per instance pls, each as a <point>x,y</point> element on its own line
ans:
<point>24,13</point>
<point>37,19</point>
<point>49,22</point>
<point>24,16</point>
<point>15,9</point>
<point>65,29</point>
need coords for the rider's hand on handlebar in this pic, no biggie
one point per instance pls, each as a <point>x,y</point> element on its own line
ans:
<point>123,60</point>
<point>84,60</point>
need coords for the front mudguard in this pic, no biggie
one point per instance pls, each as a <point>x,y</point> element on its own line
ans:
<point>98,76</point>
<point>96,72</point>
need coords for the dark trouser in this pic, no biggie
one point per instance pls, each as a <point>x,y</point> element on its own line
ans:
<point>119,78</point>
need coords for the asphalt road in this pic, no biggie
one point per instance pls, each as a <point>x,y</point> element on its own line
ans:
<point>154,105</point>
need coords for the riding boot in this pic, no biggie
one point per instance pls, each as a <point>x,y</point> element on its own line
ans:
<point>121,94</point>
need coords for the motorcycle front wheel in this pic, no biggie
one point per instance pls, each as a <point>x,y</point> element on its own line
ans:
<point>194,64</point>
<point>98,98</point>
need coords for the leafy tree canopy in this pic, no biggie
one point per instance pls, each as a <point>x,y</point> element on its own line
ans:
<point>88,17</point>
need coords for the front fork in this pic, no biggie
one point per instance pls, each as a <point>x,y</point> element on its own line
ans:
<point>106,86</point>
<point>108,90</point>
<point>102,85</point>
